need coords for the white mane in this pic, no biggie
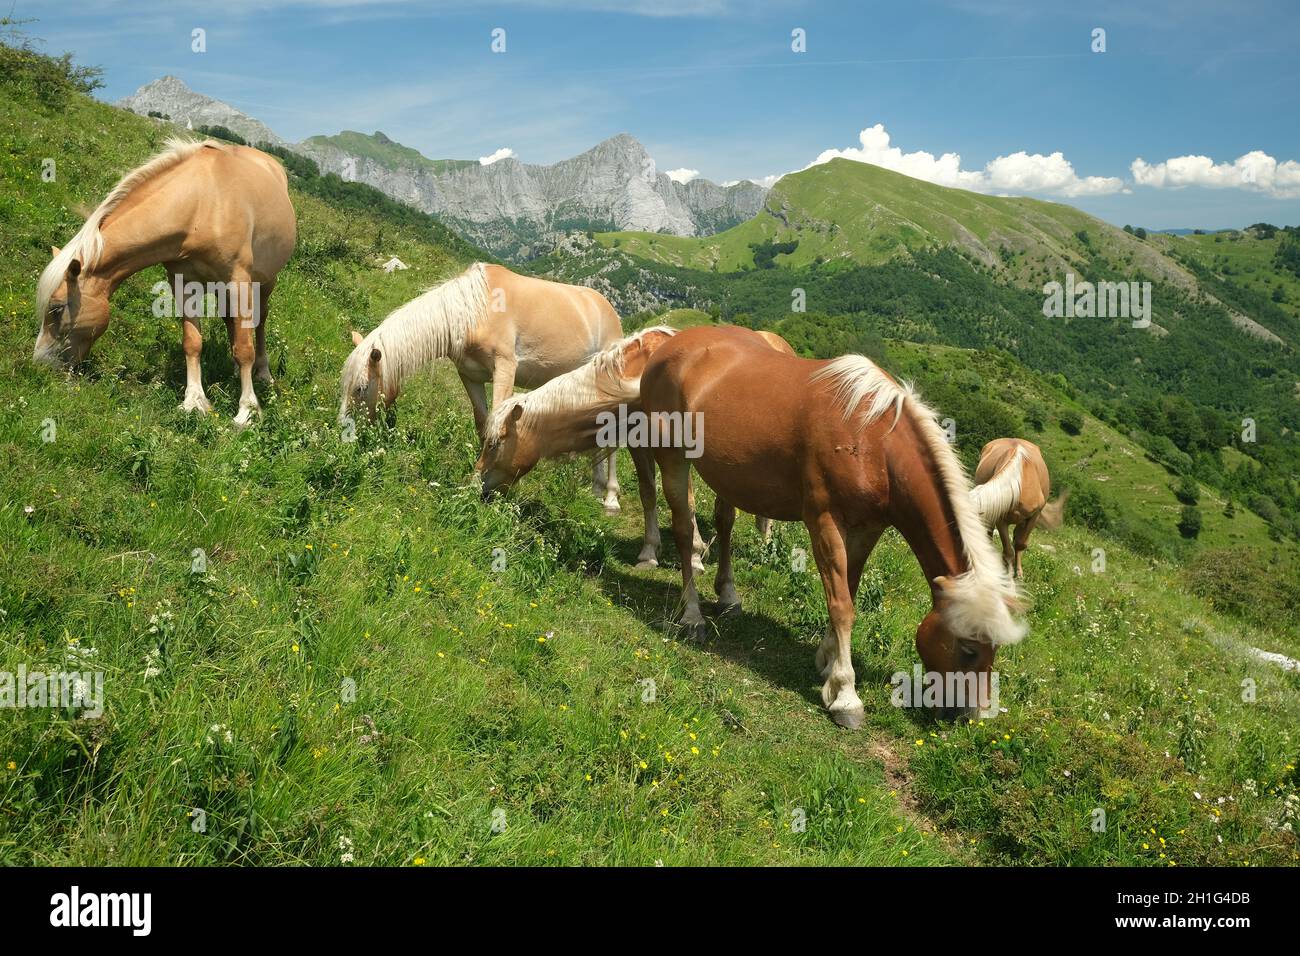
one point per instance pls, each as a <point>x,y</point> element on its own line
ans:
<point>979,601</point>
<point>88,244</point>
<point>999,494</point>
<point>593,386</point>
<point>433,325</point>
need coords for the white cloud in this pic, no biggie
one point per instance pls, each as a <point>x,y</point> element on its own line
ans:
<point>1020,172</point>
<point>683,175</point>
<point>1256,171</point>
<point>505,152</point>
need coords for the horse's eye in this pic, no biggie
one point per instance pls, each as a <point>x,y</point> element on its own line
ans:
<point>967,649</point>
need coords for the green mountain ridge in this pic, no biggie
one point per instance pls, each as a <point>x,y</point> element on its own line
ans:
<point>387,152</point>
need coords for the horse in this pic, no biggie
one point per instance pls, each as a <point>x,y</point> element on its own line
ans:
<point>214,214</point>
<point>845,448</point>
<point>1011,488</point>
<point>494,325</point>
<point>564,415</point>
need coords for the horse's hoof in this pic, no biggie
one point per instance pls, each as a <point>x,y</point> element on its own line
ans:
<point>244,418</point>
<point>850,718</point>
<point>647,564</point>
<point>200,405</point>
<point>612,510</point>
<point>697,564</point>
<point>728,608</point>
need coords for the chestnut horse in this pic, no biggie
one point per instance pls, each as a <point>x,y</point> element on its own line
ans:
<point>843,447</point>
<point>562,417</point>
<point>212,213</point>
<point>494,325</point>
<point>1011,488</point>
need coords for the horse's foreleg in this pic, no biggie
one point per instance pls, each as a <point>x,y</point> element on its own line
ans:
<point>503,378</point>
<point>724,519</point>
<point>192,344</point>
<point>839,693</point>
<point>676,472</point>
<point>478,401</point>
<point>644,460</point>
<point>611,483</point>
<point>764,526</point>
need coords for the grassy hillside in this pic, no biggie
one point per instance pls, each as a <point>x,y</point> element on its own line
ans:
<point>501,714</point>
<point>387,152</point>
<point>850,212</point>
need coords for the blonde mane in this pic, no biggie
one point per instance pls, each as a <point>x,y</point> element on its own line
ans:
<point>591,387</point>
<point>87,245</point>
<point>434,325</point>
<point>999,494</point>
<point>980,600</point>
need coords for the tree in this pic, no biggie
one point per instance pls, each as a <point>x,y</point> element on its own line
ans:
<point>1188,490</point>
<point>1189,523</point>
<point>1071,421</point>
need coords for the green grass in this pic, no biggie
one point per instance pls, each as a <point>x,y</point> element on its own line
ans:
<point>520,690</point>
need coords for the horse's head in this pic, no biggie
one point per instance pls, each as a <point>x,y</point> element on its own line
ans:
<point>363,384</point>
<point>74,312</point>
<point>509,451</point>
<point>959,639</point>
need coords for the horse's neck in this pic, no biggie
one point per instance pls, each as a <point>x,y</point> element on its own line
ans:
<point>919,505</point>
<point>130,245</point>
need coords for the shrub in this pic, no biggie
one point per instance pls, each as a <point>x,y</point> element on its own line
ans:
<point>1189,523</point>
<point>1071,421</point>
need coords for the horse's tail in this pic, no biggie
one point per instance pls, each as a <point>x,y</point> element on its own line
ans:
<point>999,494</point>
<point>1053,512</point>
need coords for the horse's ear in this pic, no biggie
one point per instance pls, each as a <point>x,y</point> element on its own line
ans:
<point>74,269</point>
<point>356,337</point>
<point>516,413</point>
<point>375,356</point>
<point>54,251</point>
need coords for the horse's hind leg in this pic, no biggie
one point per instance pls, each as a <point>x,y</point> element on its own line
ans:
<point>839,693</point>
<point>192,344</point>
<point>1022,542</point>
<point>644,460</point>
<point>261,366</point>
<point>1008,556</point>
<point>764,526</point>
<point>697,543</point>
<point>240,327</point>
<point>676,472</point>
<point>724,519</point>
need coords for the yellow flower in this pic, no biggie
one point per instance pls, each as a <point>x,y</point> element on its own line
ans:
<point>11,766</point>
<point>419,861</point>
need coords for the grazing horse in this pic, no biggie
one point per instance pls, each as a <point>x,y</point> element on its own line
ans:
<point>564,416</point>
<point>1011,488</point>
<point>843,447</point>
<point>212,213</point>
<point>495,326</point>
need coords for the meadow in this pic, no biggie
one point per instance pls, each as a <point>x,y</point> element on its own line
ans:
<point>326,652</point>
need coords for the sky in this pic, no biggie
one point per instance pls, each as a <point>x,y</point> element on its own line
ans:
<point>1183,114</point>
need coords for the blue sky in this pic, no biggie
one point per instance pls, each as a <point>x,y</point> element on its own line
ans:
<point>713,86</point>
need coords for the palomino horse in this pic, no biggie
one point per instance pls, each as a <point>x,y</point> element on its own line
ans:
<point>211,213</point>
<point>843,447</point>
<point>495,326</point>
<point>1011,488</point>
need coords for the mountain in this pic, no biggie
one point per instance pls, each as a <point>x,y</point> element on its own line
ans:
<point>849,212</point>
<point>514,209</point>
<point>171,99</point>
